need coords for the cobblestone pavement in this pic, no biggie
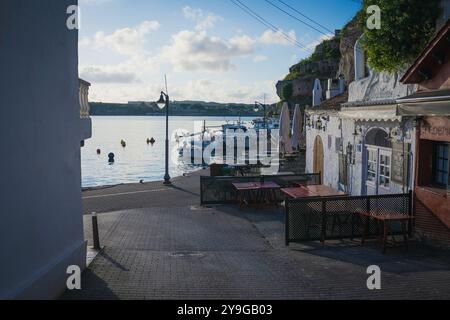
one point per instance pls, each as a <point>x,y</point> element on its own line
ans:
<point>188,252</point>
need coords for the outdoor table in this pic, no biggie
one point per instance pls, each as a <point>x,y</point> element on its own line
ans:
<point>246,193</point>
<point>267,192</point>
<point>311,191</point>
<point>386,219</point>
<point>296,193</point>
<point>323,191</point>
<point>252,193</point>
<point>318,191</point>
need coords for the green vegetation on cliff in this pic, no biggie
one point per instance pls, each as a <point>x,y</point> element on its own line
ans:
<point>327,50</point>
<point>406,27</point>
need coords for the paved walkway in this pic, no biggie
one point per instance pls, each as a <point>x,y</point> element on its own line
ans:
<point>182,251</point>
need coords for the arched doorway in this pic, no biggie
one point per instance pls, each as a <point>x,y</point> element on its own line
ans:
<point>377,169</point>
<point>318,157</point>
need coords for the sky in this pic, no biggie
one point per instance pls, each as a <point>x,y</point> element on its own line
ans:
<point>210,50</point>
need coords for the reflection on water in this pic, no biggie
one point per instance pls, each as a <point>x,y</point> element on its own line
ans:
<point>138,160</point>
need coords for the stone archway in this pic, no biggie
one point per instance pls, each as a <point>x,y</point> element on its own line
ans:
<point>318,161</point>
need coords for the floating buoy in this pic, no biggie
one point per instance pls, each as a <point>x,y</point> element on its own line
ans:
<point>99,151</point>
<point>123,143</point>
<point>152,140</point>
<point>111,157</point>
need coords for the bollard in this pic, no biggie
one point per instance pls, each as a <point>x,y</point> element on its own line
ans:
<point>95,231</point>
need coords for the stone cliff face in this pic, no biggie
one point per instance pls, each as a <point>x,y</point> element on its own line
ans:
<point>330,59</point>
<point>351,33</point>
<point>323,64</point>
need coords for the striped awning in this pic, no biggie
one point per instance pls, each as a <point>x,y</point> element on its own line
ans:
<point>439,108</point>
<point>372,113</point>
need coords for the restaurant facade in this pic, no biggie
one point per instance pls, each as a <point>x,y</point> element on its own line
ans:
<point>430,109</point>
<point>357,141</point>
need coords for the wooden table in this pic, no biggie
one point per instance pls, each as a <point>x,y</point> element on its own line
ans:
<point>317,191</point>
<point>255,193</point>
<point>386,218</point>
<point>267,193</point>
<point>311,191</point>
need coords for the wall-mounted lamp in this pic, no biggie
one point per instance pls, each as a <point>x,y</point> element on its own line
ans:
<point>358,131</point>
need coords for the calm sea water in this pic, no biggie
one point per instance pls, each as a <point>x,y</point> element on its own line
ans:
<point>137,161</point>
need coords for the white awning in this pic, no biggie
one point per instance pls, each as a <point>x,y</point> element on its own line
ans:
<point>372,113</point>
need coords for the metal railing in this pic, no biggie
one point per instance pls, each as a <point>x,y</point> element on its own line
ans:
<point>328,218</point>
<point>220,190</point>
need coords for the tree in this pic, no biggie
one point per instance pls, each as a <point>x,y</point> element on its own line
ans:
<point>406,27</point>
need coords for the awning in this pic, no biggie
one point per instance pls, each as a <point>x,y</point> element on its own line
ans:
<point>440,108</point>
<point>373,113</point>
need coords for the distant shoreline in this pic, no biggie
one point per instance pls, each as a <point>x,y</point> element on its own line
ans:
<point>175,115</point>
<point>179,108</point>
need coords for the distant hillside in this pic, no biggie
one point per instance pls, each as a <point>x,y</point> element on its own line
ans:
<point>177,108</point>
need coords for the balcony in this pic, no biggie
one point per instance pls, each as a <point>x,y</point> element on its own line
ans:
<point>85,119</point>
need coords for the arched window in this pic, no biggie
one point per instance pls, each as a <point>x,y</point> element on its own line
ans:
<point>378,137</point>
<point>361,70</point>
<point>378,163</point>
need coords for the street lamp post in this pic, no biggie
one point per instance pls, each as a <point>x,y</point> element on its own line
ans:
<point>162,103</point>
<point>258,106</point>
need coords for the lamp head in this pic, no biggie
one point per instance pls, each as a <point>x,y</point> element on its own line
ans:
<point>161,102</point>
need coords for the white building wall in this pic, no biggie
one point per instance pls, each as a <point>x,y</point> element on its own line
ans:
<point>331,157</point>
<point>41,229</point>
<point>379,86</point>
<point>356,170</point>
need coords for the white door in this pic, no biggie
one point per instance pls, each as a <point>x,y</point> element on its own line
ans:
<point>384,171</point>
<point>378,179</point>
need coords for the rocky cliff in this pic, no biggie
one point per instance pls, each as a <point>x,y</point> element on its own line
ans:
<point>331,58</point>
<point>350,34</point>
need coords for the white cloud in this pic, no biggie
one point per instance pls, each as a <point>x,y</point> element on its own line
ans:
<point>223,90</point>
<point>93,2</point>
<point>84,42</point>
<point>279,37</point>
<point>102,74</point>
<point>127,41</point>
<point>312,44</point>
<point>197,51</point>
<point>134,70</point>
<point>226,91</point>
<point>260,58</point>
<point>203,20</point>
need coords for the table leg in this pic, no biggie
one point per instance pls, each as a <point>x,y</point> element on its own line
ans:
<point>385,235</point>
<point>405,234</point>
<point>324,227</point>
<point>365,230</point>
<point>240,199</point>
